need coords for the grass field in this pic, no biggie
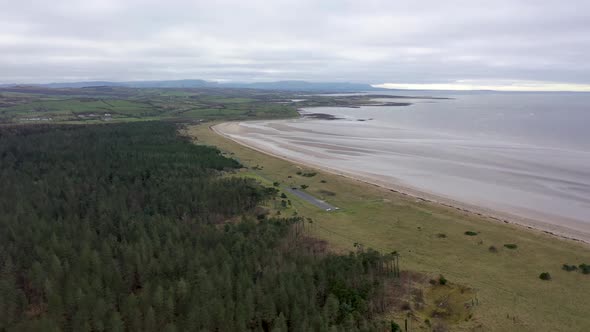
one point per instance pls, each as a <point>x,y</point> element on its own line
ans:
<point>507,292</point>
<point>98,104</point>
<point>122,104</point>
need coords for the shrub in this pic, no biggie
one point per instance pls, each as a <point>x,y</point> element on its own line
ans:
<point>493,249</point>
<point>283,195</point>
<point>545,276</point>
<point>583,268</point>
<point>442,280</point>
<point>569,268</point>
<point>471,233</point>
<point>511,246</point>
<point>271,191</point>
<point>276,184</point>
<point>323,181</point>
<point>304,186</point>
<point>441,235</point>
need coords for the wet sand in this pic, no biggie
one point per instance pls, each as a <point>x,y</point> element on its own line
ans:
<point>298,141</point>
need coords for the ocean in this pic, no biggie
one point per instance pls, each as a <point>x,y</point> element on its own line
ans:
<point>523,154</point>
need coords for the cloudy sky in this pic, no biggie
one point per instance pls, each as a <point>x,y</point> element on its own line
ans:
<point>508,44</point>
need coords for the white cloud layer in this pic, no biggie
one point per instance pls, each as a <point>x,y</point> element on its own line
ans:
<point>402,42</point>
<point>537,86</point>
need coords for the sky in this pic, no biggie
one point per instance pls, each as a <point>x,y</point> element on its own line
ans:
<point>500,44</point>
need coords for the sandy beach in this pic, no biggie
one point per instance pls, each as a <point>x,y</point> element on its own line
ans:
<point>303,147</point>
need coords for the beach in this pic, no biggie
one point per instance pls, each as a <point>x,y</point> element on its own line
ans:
<point>349,152</point>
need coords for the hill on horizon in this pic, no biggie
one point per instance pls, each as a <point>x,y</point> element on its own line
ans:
<point>196,83</point>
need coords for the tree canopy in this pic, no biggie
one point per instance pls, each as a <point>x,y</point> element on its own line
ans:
<point>122,227</point>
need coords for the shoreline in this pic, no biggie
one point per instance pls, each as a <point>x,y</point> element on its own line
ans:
<point>527,224</point>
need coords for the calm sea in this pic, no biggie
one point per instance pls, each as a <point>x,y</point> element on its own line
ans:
<point>525,154</point>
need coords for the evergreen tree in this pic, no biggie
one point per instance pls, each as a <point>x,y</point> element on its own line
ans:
<point>118,227</point>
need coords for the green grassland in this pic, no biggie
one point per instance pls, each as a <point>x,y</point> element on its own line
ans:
<point>494,289</point>
<point>78,109</point>
<point>100,104</point>
<point>123,104</point>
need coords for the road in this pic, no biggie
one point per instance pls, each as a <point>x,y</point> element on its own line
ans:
<point>309,198</point>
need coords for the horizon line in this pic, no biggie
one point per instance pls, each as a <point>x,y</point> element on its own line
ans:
<point>465,85</point>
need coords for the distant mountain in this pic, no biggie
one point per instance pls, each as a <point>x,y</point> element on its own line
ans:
<point>172,84</point>
<point>305,86</point>
<point>77,84</point>
<point>279,85</point>
<point>133,84</point>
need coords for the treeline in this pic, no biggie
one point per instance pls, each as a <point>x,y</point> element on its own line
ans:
<point>118,228</point>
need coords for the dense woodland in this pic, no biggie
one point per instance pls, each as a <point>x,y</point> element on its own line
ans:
<point>124,227</point>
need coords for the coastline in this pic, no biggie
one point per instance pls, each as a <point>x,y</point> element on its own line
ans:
<point>562,232</point>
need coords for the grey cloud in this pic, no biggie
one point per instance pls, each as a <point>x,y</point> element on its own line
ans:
<point>366,41</point>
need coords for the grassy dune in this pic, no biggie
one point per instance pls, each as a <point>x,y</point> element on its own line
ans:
<point>509,296</point>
